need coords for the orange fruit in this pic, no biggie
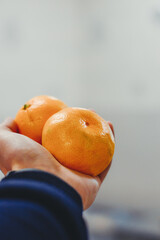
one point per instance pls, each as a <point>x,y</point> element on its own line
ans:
<point>34,113</point>
<point>79,139</point>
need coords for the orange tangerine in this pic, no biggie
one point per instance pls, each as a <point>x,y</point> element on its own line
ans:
<point>34,113</point>
<point>79,139</point>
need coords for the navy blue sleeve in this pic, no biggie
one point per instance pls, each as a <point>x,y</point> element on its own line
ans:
<point>37,205</point>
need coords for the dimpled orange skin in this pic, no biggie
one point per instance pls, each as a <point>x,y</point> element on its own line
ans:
<point>33,115</point>
<point>80,140</point>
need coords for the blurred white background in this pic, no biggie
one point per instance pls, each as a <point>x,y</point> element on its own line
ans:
<point>103,55</point>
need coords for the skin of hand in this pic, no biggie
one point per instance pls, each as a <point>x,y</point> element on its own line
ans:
<point>19,152</point>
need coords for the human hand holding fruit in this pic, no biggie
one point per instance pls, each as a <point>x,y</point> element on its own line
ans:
<point>18,151</point>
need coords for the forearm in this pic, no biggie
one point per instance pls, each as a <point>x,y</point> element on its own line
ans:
<point>38,205</point>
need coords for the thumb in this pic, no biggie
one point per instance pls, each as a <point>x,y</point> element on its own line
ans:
<point>9,124</point>
<point>112,128</point>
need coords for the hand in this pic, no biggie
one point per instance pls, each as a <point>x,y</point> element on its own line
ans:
<point>18,152</point>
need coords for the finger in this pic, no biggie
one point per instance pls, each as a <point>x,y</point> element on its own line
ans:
<point>112,128</point>
<point>10,125</point>
<point>3,170</point>
<point>104,173</point>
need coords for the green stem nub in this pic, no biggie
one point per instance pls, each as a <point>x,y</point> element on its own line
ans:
<point>26,106</point>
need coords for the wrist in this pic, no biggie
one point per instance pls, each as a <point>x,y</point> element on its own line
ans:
<point>44,166</point>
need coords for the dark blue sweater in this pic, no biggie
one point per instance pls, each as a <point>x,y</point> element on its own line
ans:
<point>37,205</point>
